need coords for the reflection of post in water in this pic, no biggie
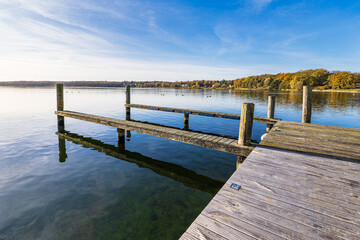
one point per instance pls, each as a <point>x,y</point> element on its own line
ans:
<point>62,149</point>
<point>186,121</point>
<point>176,172</point>
<point>121,139</point>
<point>128,135</point>
<point>239,161</point>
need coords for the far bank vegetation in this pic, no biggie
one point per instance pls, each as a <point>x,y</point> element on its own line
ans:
<point>320,79</point>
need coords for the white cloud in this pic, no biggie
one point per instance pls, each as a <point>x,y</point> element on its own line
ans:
<point>258,5</point>
<point>42,42</point>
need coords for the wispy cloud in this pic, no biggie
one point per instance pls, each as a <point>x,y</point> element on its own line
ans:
<point>138,40</point>
<point>258,5</point>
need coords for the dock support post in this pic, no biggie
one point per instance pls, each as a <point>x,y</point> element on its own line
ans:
<point>271,111</point>
<point>127,101</point>
<point>60,107</point>
<point>121,139</point>
<point>186,121</point>
<point>239,161</point>
<point>246,123</point>
<point>307,102</point>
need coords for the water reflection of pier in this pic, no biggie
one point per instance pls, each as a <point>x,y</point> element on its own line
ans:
<point>176,172</point>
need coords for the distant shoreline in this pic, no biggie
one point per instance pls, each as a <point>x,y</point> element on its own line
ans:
<point>236,89</point>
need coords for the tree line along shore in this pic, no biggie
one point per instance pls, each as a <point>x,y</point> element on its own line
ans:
<point>320,79</point>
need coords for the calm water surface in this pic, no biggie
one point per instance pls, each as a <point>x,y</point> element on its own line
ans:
<point>81,188</point>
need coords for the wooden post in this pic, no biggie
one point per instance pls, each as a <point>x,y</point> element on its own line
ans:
<point>60,106</point>
<point>239,161</point>
<point>246,123</point>
<point>271,111</point>
<point>307,102</point>
<point>186,121</point>
<point>121,139</point>
<point>127,101</point>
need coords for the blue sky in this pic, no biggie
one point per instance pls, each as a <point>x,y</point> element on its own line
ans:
<point>174,40</point>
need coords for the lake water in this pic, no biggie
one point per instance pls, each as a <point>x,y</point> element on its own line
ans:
<point>82,189</point>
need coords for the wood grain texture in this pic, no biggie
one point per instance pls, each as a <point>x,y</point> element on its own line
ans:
<point>336,142</point>
<point>307,104</point>
<point>246,123</point>
<point>287,195</point>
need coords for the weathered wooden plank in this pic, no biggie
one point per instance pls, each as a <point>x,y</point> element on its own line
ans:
<point>323,137</point>
<point>263,187</point>
<point>318,127</point>
<point>339,143</point>
<point>309,149</point>
<point>285,195</point>
<point>223,229</point>
<point>203,113</point>
<point>320,182</point>
<point>345,176</point>
<point>199,232</point>
<point>244,224</point>
<point>311,164</point>
<point>320,194</point>
<point>160,131</point>
<point>273,223</point>
<point>188,236</point>
<point>310,222</point>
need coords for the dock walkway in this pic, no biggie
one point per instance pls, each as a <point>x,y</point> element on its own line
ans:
<point>302,182</point>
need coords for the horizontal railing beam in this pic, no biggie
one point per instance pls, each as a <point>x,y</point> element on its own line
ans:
<point>203,113</point>
<point>199,139</point>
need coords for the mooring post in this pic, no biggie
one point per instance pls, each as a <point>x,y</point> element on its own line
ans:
<point>121,139</point>
<point>246,123</point>
<point>186,121</point>
<point>60,107</point>
<point>271,111</point>
<point>127,101</point>
<point>307,102</point>
<point>239,161</point>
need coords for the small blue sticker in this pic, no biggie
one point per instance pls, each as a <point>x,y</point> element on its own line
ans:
<point>235,186</point>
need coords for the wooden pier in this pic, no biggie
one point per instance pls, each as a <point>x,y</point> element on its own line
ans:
<point>241,146</point>
<point>302,181</point>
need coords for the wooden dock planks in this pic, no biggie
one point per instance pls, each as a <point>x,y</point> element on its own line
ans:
<point>285,195</point>
<point>302,182</point>
<point>339,142</point>
<point>200,139</point>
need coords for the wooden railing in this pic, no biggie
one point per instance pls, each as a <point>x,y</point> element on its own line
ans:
<point>246,118</point>
<point>202,113</point>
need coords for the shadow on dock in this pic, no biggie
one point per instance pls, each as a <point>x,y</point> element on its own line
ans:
<point>176,172</point>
